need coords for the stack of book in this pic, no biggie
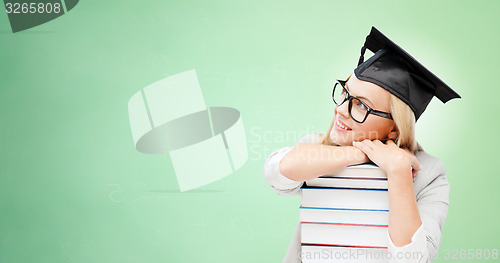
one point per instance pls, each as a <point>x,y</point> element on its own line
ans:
<point>344,216</point>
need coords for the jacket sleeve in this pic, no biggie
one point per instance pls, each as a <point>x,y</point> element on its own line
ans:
<point>432,204</point>
<point>281,184</point>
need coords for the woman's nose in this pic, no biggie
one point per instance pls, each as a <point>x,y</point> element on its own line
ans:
<point>343,109</point>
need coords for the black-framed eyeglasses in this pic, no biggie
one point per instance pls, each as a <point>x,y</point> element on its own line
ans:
<point>358,110</point>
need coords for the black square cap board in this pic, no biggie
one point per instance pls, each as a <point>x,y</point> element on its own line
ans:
<point>398,72</point>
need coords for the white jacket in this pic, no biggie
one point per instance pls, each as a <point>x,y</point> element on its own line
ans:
<point>431,190</point>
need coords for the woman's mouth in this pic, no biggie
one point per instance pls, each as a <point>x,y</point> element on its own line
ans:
<point>340,126</point>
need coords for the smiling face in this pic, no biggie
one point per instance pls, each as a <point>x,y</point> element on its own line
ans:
<point>346,130</point>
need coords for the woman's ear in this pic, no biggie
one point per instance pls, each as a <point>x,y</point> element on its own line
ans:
<point>393,134</point>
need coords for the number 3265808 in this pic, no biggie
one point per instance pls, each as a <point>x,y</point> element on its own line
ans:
<point>478,254</point>
<point>32,8</point>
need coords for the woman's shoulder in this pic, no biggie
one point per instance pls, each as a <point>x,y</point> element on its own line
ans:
<point>432,169</point>
<point>429,161</point>
<point>311,138</point>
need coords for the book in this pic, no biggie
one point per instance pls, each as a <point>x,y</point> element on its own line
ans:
<point>343,215</point>
<point>344,235</point>
<point>322,254</point>
<point>351,198</point>
<point>366,170</point>
<point>355,176</point>
<point>343,182</point>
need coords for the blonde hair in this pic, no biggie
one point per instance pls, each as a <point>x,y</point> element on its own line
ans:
<point>405,123</point>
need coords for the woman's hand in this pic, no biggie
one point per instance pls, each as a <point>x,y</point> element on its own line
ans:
<point>359,156</point>
<point>389,157</point>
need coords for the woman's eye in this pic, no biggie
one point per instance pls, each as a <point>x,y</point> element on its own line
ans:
<point>360,105</point>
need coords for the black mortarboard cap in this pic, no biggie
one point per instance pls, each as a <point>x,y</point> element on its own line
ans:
<point>398,72</point>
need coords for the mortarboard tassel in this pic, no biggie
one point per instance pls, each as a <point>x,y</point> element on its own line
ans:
<point>362,57</point>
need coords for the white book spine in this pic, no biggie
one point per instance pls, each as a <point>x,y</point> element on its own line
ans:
<point>346,216</point>
<point>345,198</point>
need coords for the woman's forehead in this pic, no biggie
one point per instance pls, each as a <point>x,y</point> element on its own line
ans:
<point>378,96</point>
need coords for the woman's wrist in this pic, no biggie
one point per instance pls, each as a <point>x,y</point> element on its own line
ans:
<point>400,175</point>
<point>355,155</point>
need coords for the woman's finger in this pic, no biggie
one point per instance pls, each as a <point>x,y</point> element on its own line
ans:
<point>363,147</point>
<point>368,143</point>
<point>390,143</point>
<point>415,162</point>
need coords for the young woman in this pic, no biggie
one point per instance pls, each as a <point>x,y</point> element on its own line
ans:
<point>374,120</point>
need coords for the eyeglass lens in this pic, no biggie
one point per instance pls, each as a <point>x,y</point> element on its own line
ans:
<point>357,109</point>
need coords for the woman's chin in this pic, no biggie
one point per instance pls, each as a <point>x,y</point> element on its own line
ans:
<point>345,144</point>
<point>339,140</point>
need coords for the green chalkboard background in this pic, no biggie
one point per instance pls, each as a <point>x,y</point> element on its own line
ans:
<point>74,189</point>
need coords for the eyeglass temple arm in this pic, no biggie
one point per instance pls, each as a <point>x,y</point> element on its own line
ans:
<point>382,114</point>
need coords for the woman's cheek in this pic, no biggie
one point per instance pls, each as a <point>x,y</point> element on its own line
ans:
<point>359,135</point>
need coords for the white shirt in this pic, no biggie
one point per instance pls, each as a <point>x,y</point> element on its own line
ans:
<point>431,190</point>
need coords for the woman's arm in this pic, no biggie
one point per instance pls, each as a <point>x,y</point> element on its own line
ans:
<point>308,161</point>
<point>282,184</point>
<point>432,202</point>
<point>415,222</point>
<point>404,219</point>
